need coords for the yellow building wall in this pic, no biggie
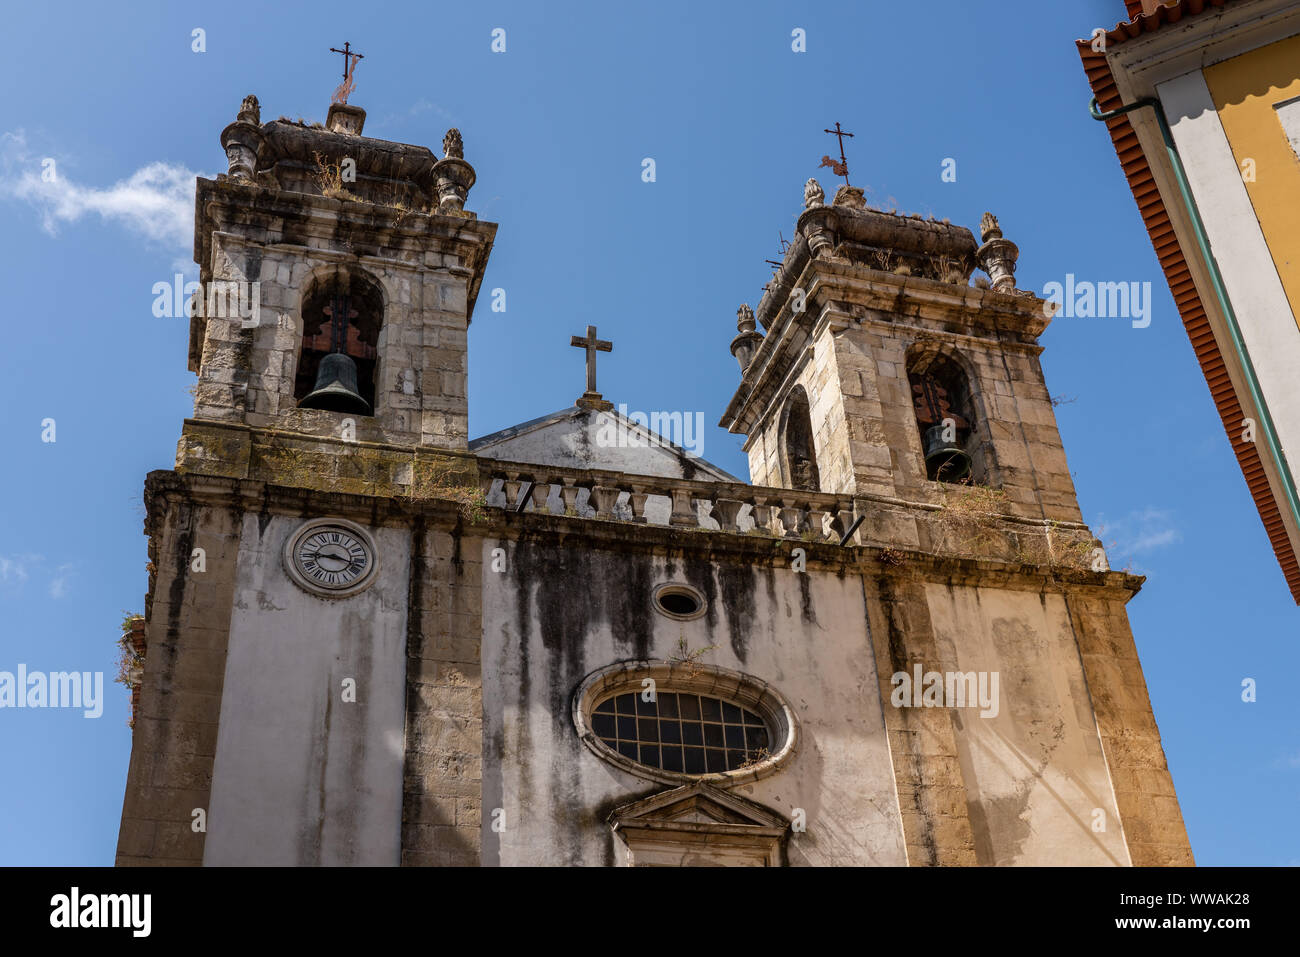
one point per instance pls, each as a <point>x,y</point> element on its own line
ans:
<point>1245,89</point>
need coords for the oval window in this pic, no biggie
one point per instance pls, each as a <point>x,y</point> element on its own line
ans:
<point>673,722</point>
<point>680,732</point>
<point>679,601</point>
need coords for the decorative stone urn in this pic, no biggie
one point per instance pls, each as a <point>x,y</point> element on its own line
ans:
<point>242,139</point>
<point>452,176</point>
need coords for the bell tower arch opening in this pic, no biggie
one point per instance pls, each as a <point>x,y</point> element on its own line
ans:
<point>342,314</point>
<point>799,456</point>
<point>946,416</point>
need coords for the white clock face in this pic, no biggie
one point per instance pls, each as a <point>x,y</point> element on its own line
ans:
<point>331,557</point>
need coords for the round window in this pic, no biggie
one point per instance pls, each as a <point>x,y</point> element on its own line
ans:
<point>679,601</point>
<point>672,722</point>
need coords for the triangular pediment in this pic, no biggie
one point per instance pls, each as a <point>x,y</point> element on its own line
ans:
<point>697,803</point>
<point>583,438</point>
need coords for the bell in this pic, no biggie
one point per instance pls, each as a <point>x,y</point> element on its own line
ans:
<point>946,461</point>
<point>336,387</point>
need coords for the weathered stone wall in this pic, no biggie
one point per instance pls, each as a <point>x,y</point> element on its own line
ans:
<point>823,383</point>
<point>302,776</point>
<point>1144,789</point>
<point>865,327</point>
<point>562,608</point>
<point>248,374</point>
<point>932,795</point>
<point>1017,447</point>
<point>175,735</point>
<point>442,776</point>
<point>427,266</point>
<point>469,658</point>
<point>1037,785</point>
<point>307,773</point>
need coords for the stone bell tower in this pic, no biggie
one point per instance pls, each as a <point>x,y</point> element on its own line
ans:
<point>883,369</point>
<point>318,217</point>
<point>304,595</point>
<point>884,376</point>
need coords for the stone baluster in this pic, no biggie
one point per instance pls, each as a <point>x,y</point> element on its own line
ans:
<point>603,498</point>
<point>569,494</point>
<point>843,520</point>
<point>762,513</point>
<point>791,516</point>
<point>725,512</point>
<point>683,509</point>
<point>817,520</point>
<point>637,498</point>
<point>511,488</point>
<point>541,492</point>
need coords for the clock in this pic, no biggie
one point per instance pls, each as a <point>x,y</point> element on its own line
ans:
<point>331,557</point>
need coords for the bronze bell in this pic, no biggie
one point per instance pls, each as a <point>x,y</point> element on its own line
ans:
<point>946,461</point>
<point>336,387</point>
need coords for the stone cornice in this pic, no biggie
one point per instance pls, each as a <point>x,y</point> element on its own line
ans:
<point>222,203</point>
<point>568,531</point>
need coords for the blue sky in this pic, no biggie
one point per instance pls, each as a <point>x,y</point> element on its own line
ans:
<point>557,127</point>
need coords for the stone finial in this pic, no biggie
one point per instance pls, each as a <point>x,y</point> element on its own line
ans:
<point>453,177</point>
<point>997,256</point>
<point>813,194</point>
<point>453,147</point>
<point>242,139</point>
<point>250,111</point>
<point>747,341</point>
<point>989,228</point>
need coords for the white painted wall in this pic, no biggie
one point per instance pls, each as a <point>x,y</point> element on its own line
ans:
<point>300,776</point>
<point>555,615</point>
<point>588,439</point>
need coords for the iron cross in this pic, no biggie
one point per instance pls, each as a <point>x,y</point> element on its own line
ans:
<point>592,345</point>
<point>842,169</point>
<point>350,59</point>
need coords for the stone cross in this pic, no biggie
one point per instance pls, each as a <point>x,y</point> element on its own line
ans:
<point>592,345</point>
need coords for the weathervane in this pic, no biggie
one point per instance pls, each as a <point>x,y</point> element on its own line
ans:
<point>842,167</point>
<point>349,69</point>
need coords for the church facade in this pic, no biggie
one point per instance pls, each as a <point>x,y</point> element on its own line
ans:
<point>370,640</point>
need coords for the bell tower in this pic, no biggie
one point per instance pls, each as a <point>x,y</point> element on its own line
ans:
<point>883,371</point>
<point>888,379</point>
<point>362,268</point>
<point>311,623</point>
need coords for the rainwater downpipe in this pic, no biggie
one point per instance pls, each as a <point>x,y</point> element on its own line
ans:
<point>1220,293</point>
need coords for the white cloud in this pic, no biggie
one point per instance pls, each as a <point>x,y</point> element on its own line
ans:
<point>1144,530</point>
<point>425,105</point>
<point>420,107</point>
<point>1152,528</point>
<point>13,569</point>
<point>16,570</point>
<point>59,583</point>
<point>156,201</point>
